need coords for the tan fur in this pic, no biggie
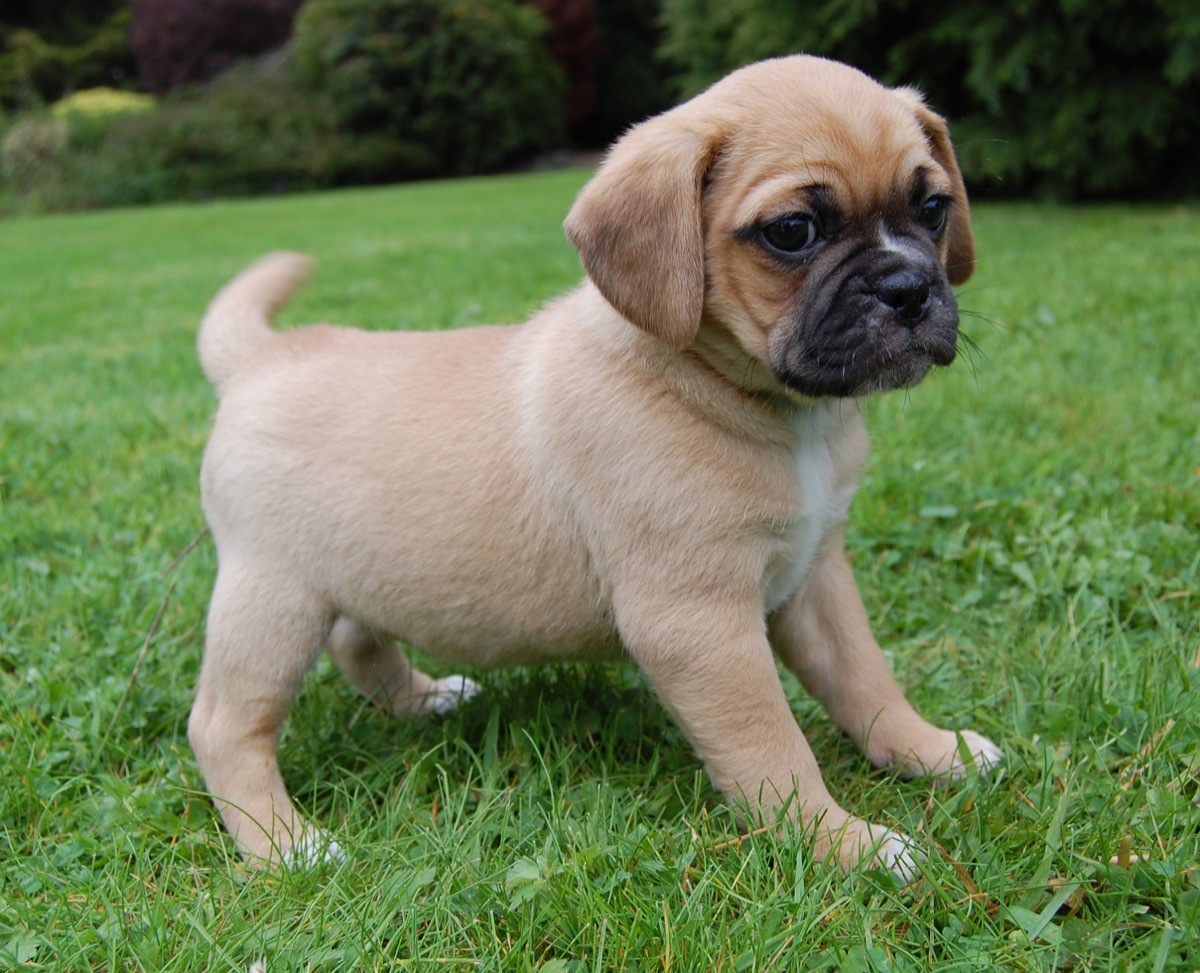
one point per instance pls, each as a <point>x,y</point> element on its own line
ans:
<point>579,486</point>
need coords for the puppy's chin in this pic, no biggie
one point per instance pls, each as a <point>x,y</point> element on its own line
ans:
<point>902,375</point>
<point>901,361</point>
<point>899,364</point>
<point>853,345</point>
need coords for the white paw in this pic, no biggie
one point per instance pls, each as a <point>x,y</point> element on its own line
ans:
<point>898,854</point>
<point>447,693</point>
<point>984,754</point>
<point>314,847</point>
<point>943,761</point>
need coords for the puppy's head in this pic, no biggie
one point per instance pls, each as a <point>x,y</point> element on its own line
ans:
<point>797,205</point>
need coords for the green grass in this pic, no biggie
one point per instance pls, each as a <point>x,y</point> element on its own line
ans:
<point>1026,539</point>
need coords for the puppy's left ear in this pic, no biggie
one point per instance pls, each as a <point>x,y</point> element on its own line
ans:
<point>960,254</point>
<point>639,231</point>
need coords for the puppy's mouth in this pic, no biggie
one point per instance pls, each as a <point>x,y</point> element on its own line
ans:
<point>868,331</point>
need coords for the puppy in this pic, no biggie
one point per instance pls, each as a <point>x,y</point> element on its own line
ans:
<point>658,466</point>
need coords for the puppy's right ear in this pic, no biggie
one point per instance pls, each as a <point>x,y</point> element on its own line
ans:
<point>638,227</point>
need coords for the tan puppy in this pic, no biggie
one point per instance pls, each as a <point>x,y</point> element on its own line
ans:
<point>657,466</point>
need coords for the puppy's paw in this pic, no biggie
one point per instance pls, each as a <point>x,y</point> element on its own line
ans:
<point>897,853</point>
<point>314,847</point>
<point>872,846</point>
<point>941,756</point>
<point>447,693</point>
<point>984,754</point>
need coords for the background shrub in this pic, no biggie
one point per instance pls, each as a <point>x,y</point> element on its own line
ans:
<point>34,149</point>
<point>1070,98</point>
<point>432,87</point>
<point>249,132</point>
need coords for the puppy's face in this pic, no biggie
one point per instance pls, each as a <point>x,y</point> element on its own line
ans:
<point>799,207</point>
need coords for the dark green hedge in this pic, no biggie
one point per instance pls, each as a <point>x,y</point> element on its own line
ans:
<point>433,87</point>
<point>1062,98</point>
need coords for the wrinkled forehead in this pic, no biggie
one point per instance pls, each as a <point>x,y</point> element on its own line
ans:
<point>861,143</point>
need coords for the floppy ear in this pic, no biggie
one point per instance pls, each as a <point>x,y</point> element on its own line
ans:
<point>638,228</point>
<point>960,255</point>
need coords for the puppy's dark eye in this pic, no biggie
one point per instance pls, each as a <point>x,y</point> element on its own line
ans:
<point>932,214</point>
<point>791,233</point>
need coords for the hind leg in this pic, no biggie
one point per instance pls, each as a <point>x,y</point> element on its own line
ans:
<point>262,636</point>
<point>381,671</point>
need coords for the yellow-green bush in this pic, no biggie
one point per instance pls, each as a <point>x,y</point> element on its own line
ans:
<point>101,103</point>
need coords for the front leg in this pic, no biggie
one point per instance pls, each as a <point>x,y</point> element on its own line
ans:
<point>823,636</point>
<point>711,665</point>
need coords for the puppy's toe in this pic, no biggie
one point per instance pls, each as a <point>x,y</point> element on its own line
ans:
<point>941,756</point>
<point>314,847</point>
<point>447,693</point>
<point>858,843</point>
<point>876,847</point>
<point>984,754</point>
<point>898,854</point>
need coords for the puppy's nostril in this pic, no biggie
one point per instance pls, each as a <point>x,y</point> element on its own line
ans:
<point>906,292</point>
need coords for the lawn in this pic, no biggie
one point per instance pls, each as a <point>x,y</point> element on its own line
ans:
<point>1026,540</point>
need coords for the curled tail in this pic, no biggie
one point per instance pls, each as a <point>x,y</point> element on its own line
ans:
<point>237,322</point>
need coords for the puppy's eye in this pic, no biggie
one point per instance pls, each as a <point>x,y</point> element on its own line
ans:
<point>932,214</point>
<point>791,233</point>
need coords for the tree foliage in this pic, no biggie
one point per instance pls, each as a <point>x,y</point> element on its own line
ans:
<point>182,41</point>
<point>48,50</point>
<point>1071,98</point>
<point>632,81</point>
<point>573,39</point>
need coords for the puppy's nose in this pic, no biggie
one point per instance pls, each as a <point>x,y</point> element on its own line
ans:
<point>906,292</point>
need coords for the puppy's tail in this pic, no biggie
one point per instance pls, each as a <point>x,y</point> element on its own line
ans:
<point>237,323</point>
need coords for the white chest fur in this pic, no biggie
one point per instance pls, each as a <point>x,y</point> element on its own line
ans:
<point>823,504</point>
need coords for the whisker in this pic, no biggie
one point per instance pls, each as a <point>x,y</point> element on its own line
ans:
<point>972,354</point>
<point>986,318</point>
<point>748,371</point>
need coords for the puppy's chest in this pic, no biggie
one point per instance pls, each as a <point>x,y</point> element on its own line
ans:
<point>822,504</point>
